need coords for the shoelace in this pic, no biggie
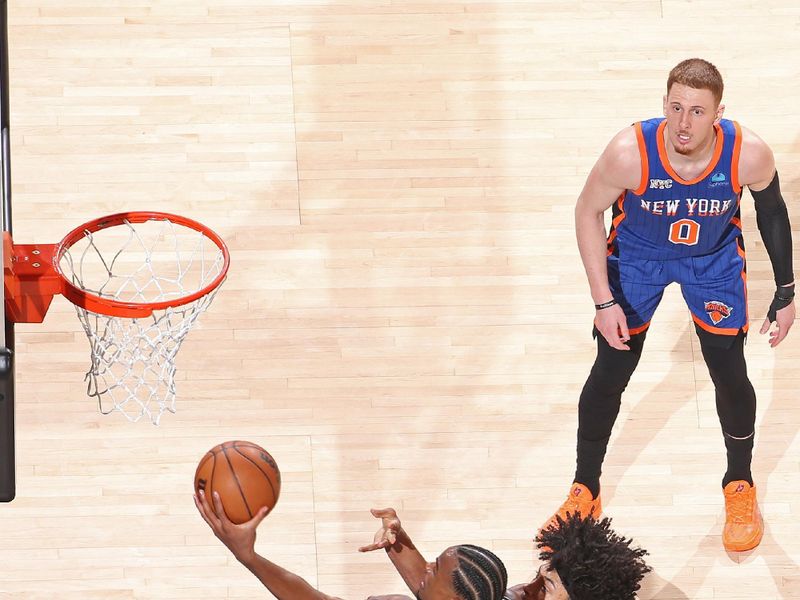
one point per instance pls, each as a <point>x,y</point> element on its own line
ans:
<point>573,505</point>
<point>740,507</point>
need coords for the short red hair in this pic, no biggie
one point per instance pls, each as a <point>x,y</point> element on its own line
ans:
<point>698,74</point>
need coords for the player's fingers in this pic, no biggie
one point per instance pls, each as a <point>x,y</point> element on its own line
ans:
<point>779,334</point>
<point>383,513</point>
<point>260,515</point>
<point>764,326</point>
<point>611,327</point>
<point>200,509</point>
<point>623,331</point>
<point>220,512</point>
<point>614,341</point>
<point>207,511</point>
<point>375,546</point>
<point>622,337</point>
<point>203,503</point>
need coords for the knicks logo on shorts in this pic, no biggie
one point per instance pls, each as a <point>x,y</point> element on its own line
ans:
<point>717,310</point>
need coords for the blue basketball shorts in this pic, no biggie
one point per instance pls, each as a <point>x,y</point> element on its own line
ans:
<point>714,287</point>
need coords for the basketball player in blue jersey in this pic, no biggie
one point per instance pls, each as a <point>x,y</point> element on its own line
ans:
<point>674,185</point>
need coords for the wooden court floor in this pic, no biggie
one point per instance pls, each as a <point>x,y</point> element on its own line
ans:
<point>406,321</point>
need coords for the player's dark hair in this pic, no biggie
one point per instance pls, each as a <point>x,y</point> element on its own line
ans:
<point>698,74</point>
<point>480,574</point>
<point>591,559</point>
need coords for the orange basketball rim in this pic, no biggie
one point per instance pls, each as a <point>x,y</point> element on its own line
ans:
<point>138,281</point>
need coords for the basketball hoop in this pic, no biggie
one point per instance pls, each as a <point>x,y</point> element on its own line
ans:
<point>139,281</point>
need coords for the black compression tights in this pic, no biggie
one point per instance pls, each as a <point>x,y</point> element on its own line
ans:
<point>600,401</point>
<point>736,403</point>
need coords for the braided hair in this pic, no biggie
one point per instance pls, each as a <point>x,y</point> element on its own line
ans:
<point>591,559</point>
<point>480,574</point>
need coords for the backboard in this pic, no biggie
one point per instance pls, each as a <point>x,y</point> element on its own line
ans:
<point>7,462</point>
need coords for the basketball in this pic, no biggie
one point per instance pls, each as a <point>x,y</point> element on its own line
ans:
<point>245,476</point>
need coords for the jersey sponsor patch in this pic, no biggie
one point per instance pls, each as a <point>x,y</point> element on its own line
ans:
<point>717,310</point>
<point>718,179</point>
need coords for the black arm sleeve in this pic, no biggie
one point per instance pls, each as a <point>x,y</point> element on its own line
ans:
<point>773,223</point>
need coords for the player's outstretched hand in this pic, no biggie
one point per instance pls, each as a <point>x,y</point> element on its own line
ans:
<point>240,539</point>
<point>387,535</point>
<point>613,326</point>
<point>784,318</point>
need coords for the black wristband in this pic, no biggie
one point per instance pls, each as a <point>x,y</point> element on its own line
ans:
<point>784,292</point>
<point>784,296</point>
<point>611,302</point>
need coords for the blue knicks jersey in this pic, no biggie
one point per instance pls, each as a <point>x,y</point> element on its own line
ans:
<point>667,217</point>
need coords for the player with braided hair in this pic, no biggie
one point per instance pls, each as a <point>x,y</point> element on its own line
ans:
<point>463,572</point>
<point>480,574</point>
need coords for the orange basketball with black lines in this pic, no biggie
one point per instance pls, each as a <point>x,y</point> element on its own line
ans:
<point>245,476</point>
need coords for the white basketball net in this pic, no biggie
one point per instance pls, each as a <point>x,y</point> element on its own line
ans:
<point>133,359</point>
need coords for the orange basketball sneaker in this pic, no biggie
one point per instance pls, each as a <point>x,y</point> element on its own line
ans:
<point>744,526</point>
<point>579,500</point>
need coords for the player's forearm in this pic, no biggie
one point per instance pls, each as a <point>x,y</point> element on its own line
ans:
<point>591,233</point>
<point>408,561</point>
<point>283,584</point>
<point>773,223</point>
